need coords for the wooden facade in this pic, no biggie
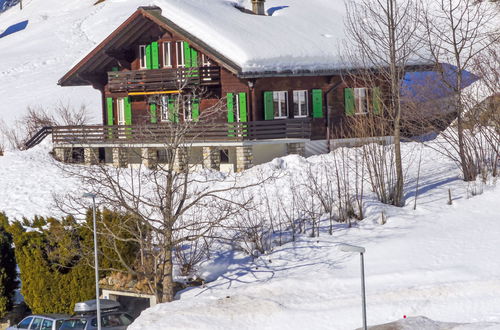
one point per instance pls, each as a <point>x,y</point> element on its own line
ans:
<point>151,72</point>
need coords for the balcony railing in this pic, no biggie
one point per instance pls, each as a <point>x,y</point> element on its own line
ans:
<point>185,133</point>
<point>162,79</point>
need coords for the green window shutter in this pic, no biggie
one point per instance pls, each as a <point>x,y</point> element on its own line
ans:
<point>377,100</point>
<point>109,104</point>
<point>268,106</point>
<point>243,107</point>
<point>149,63</point>
<point>230,107</point>
<point>317,100</point>
<point>195,109</point>
<point>349,101</point>
<point>172,112</point>
<point>187,55</point>
<point>152,109</point>
<point>128,111</point>
<point>194,58</point>
<point>155,63</point>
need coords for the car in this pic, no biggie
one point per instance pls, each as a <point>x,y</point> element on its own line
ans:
<point>86,316</point>
<point>40,322</point>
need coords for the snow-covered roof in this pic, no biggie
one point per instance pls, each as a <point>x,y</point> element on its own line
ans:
<point>293,38</point>
<point>302,35</point>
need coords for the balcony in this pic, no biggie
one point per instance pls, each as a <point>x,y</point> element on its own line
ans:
<point>162,79</point>
<point>193,133</point>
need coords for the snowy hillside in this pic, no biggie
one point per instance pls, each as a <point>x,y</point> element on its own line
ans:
<point>439,261</point>
<point>59,34</point>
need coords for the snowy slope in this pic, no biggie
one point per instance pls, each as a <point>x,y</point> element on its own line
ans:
<point>440,261</point>
<point>61,33</point>
<point>58,34</point>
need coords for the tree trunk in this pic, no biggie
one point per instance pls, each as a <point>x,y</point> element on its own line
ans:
<point>168,279</point>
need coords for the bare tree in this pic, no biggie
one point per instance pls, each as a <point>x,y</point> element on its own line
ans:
<point>383,41</point>
<point>168,205</point>
<point>458,32</point>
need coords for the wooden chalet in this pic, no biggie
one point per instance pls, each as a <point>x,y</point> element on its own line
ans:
<point>153,74</point>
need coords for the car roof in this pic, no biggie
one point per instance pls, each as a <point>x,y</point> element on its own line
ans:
<point>51,316</point>
<point>93,315</point>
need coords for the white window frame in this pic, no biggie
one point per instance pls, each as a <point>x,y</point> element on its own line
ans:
<point>362,102</point>
<point>142,57</point>
<point>188,110</point>
<point>167,54</point>
<point>205,61</point>
<point>120,108</point>
<point>179,53</point>
<point>302,112</point>
<point>282,97</point>
<point>164,115</point>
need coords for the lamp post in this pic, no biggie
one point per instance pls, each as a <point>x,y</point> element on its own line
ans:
<point>361,251</point>
<point>96,261</point>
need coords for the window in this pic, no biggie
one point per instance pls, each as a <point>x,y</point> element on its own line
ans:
<point>164,108</point>
<point>120,102</point>
<point>126,319</point>
<point>205,61</point>
<point>164,155</point>
<point>180,54</point>
<point>35,325</point>
<point>47,325</point>
<point>188,109</point>
<point>74,324</point>
<point>224,156</point>
<point>142,57</point>
<point>300,106</point>
<point>280,104</point>
<point>167,55</point>
<point>24,324</point>
<point>361,100</point>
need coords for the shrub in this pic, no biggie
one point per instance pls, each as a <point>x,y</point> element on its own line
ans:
<point>55,259</point>
<point>8,273</point>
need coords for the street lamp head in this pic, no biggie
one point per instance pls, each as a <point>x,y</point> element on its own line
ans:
<point>351,248</point>
<point>89,195</point>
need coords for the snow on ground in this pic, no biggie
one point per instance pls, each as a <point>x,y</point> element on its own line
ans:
<point>29,179</point>
<point>439,261</point>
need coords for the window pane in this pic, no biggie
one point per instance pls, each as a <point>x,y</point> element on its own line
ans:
<point>142,56</point>
<point>35,325</point>
<point>361,100</point>
<point>276,104</point>
<point>47,325</point>
<point>126,319</point>
<point>280,103</point>
<point>25,323</point>
<point>300,103</point>
<point>180,54</point>
<point>74,324</point>
<point>167,57</point>
<point>164,108</point>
